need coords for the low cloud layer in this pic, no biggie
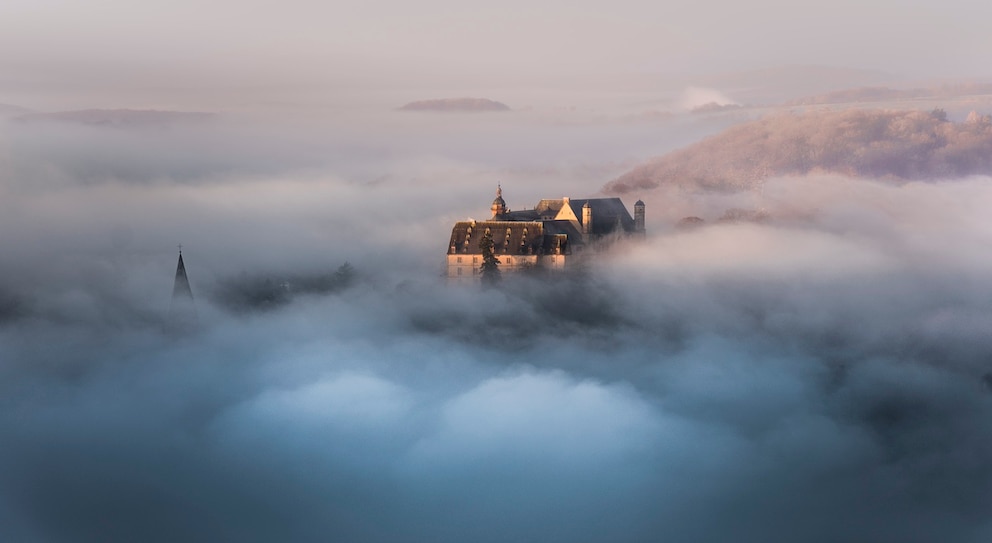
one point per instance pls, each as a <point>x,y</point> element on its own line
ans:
<point>819,377</point>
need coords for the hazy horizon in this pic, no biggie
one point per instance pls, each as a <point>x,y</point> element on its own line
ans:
<point>70,55</point>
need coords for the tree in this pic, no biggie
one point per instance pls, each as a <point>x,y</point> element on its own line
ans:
<point>490,264</point>
<point>344,276</point>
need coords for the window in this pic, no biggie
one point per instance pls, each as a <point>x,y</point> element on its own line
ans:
<point>459,260</point>
<point>475,260</point>
<point>459,271</point>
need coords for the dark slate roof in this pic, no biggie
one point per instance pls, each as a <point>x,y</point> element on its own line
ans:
<point>561,233</point>
<point>509,237</point>
<point>549,208</point>
<point>561,227</point>
<point>523,215</point>
<point>605,212</point>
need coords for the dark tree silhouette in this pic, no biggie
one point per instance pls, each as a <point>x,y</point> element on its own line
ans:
<point>490,264</point>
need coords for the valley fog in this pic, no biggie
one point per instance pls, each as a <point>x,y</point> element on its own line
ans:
<point>820,376</point>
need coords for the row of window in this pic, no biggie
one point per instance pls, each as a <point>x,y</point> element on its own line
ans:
<point>475,259</point>
<point>475,271</point>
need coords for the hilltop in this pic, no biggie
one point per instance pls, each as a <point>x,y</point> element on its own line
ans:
<point>456,104</point>
<point>890,145</point>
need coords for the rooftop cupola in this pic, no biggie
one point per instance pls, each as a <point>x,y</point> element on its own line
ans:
<point>499,205</point>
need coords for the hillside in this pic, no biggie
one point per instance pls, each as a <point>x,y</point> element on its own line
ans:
<point>456,104</point>
<point>892,145</point>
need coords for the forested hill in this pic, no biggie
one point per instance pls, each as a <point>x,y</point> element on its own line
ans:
<point>892,145</point>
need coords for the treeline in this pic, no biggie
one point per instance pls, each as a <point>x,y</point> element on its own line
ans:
<point>889,145</point>
<point>263,292</point>
<point>456,104</point>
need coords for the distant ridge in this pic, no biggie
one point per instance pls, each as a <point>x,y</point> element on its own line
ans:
<point>886,94</point>
<point>879,144</point>
<point>115,117</point>
<point>456,104</point>
<point>774,85</point>
<point>8,110</point>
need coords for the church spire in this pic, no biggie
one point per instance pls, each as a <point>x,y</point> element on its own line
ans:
<point>181,290</point>
<point>182,311</point>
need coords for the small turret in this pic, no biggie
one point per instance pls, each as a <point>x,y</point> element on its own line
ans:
<point>499,205</point>
<point>639,217</point>
<point>587,219</point>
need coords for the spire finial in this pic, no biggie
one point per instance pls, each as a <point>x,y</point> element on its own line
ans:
<point>180,248</point>
<point>499,190</point>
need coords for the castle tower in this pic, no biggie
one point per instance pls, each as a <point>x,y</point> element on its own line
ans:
<point>499,205</point>
<point>639,217</point>
<point>587,219</point>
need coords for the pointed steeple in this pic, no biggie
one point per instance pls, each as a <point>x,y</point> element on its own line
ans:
<point>181,290</point>
<point>182,311</point>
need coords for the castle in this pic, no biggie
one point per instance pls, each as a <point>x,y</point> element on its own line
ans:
<point>551,236</point>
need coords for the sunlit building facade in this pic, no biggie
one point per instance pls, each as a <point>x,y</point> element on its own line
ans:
<point>552,236</point>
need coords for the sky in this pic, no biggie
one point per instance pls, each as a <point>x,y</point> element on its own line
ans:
<point>821,376</point>
<point>121,51</point>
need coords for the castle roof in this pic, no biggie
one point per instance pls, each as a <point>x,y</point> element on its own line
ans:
<point>514,238</point>
<point>522,215</point>
<point>606,213</point>
<point>509,237</point>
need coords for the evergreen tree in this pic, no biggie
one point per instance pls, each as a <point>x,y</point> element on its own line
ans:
<point>344,276</point>
<point>490,264</point>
